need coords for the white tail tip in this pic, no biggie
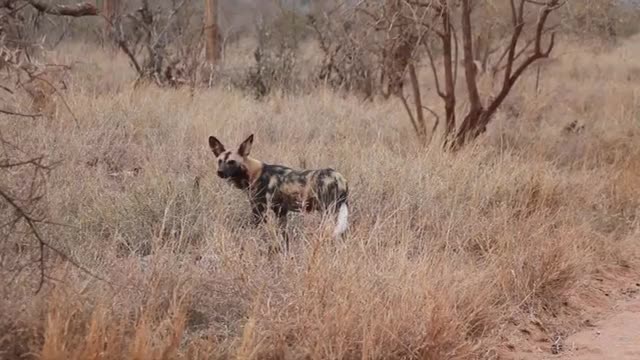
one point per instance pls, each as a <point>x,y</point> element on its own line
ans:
<point>343,220</point>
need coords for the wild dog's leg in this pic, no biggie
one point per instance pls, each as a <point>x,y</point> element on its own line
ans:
<point>258,210</point>
<point>281,215</point>
<point>282,225</point>
<point>259,214</point>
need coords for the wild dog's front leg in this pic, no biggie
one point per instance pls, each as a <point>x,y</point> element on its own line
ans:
<point>258,214</point>
<point>260,204</point>
<point>281,223</point>
<point>258,210</point>
<point>281,213</point>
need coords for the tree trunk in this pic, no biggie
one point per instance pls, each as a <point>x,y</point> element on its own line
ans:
<point>449,81</point>
<point>421,127</point>
<point>473,125</point>
<point>469,65</point>
<point>211,31</point>
<point>110,10</point>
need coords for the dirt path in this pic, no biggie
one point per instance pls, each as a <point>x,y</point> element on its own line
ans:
<point>615,337</point>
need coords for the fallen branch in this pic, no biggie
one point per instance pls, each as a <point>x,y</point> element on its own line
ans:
<point>77,10</point>
<point>7,112</point>
<point>5,164</point>
<point>6,89</point>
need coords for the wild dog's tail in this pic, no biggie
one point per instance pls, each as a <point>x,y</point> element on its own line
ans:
<point>336,193</point>
<point>342,220</point>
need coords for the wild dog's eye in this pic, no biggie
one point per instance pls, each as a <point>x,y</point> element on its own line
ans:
<point>231,162</point>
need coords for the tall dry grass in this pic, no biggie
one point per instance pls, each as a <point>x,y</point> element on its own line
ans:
<point>448,257</point>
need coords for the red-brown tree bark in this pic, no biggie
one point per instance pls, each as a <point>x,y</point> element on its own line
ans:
<point>211,31</point>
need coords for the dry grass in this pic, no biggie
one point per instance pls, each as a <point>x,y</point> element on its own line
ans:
<point>446,258</point>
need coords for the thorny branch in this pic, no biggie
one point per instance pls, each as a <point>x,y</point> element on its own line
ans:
<point>24,209</point>
<point>22,181</point>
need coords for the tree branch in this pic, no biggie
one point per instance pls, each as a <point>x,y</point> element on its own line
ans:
<point>411,117</point>
<point>511,78</point>
<point>32,224</point>
<point>418,101</point>
<point>433,68</point>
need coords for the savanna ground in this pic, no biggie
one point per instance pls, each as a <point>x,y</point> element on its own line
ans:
<point>503,248</point>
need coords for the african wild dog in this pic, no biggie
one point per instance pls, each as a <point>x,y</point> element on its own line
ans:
<point>282,189</point>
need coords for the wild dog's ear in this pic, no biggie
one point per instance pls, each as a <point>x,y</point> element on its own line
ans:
<point>245,148</point>
<point>216,146</point>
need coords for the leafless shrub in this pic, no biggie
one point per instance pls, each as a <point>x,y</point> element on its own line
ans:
<point>348,63</point>
<point>276,56</point>
<point>402,27</point>
<point>603,19</point>
<point>161,44</point>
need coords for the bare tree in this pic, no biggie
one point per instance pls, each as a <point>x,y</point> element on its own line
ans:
<point>348,63</point>
<point>404,28</point>
<point>432,23</point>
<point>476,121</point>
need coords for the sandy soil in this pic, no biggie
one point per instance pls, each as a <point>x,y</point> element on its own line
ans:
<point>615,337</point>
<point>610,318</point>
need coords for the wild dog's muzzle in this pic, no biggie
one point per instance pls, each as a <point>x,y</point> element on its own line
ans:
<point>228,172</point>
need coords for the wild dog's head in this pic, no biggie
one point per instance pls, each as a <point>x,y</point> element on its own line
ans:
<point>235,166</point>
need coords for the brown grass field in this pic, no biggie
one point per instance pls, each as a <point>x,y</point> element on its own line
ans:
<point>499,250</point>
